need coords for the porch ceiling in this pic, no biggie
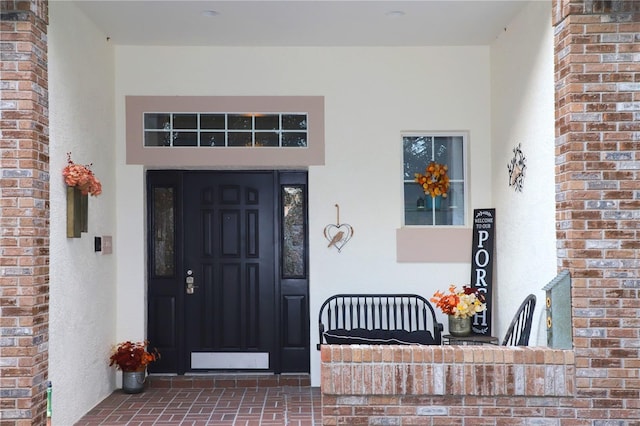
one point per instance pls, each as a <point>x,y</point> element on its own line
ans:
<point>302,22</point>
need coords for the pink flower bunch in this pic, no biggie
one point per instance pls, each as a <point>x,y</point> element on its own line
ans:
<point>82,177</point>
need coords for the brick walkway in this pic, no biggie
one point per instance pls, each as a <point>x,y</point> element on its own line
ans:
<point>232,406</point>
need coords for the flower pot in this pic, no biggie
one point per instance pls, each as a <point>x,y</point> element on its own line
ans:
<point>133,381</point>
<point>434,202</point>
<point>77,212</point>
<point>459,327</point>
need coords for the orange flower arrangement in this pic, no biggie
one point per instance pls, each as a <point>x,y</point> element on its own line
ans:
<point>462,304</point>
<point>435,181</point>
<point>133,356</point>
<point>82,177</point>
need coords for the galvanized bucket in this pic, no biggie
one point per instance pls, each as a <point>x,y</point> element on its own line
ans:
<point>133,381</point>
<point>459,327</point>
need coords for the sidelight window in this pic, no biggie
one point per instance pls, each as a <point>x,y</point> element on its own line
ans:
<point>293,231</point>
<point>163,231</point>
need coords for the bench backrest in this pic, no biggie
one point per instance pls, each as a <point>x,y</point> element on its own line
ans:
<point>409,312</point>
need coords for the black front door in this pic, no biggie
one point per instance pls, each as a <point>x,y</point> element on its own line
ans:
<point>225,304</point>
<point>229,263</point>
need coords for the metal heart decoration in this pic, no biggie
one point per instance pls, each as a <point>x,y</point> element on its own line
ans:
<point>338,235</point>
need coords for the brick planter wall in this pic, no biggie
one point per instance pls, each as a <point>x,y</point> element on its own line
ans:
<point>24,213</point>
<point>445,385</point>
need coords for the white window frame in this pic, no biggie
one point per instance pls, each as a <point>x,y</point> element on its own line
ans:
<point>464,181</point>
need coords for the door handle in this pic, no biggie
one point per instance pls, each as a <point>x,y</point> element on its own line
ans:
<point>190,282</point>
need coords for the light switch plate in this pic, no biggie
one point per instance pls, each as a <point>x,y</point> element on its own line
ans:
<point>107,244</point>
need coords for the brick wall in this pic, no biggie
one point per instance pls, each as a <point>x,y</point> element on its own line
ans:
<point>24,213</point>
<point>446,385</point>
<point>597,65</point>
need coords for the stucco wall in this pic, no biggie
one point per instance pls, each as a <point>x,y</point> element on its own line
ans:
<point>82,282</point>
<point>502,95</point>
<point>522,112</point>
<point>371,96</point>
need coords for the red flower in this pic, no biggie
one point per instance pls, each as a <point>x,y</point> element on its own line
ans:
<point>130,356</point>
<point>464,303</point>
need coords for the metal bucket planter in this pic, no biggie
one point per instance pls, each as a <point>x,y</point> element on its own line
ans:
<point>133,381</point>
<point>459,327</point>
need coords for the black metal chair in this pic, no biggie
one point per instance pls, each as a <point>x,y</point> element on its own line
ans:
<point>520,328</point>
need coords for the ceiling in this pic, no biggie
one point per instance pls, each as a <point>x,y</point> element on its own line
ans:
<point>301,22</point>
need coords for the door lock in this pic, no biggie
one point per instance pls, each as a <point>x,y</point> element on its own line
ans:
<point>189,281</point>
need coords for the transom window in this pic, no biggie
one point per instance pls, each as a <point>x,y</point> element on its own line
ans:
<point>168,129</point>
<point>262,132</point>
<point>419,151</point>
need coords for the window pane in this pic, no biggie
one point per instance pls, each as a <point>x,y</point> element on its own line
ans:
<point>448,150</point>
<point>239,139</point>
<point>418,152</point>
<point>156,121</point>
<point>240,122</point>
<point>157,138</point>
<point>456,203</point>
<point>294,121</point>
<point>212,139</point>
<point>267,122</point>
<point>185,121</point>
<point>294,139</point>
<point>163,232</point>
<point>293,246</point>
<point>185,139</point>
<point>267,139</point>
<point>212,121</point>
<point>414,205</point>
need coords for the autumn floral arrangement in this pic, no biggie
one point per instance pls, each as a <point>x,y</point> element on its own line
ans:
<point>463,303</point>
<point>81,177</point>
<point>435,181</point>
<point>132,356</point>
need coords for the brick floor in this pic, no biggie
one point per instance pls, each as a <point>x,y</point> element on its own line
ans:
<point>175,402</point>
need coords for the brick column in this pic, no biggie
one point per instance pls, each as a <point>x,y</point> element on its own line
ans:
<point>24,213</point>
<point>597,74</point>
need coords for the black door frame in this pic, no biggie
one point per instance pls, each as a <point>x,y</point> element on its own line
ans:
<point>293,349</point>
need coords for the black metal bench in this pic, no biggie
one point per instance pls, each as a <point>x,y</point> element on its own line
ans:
<point>378,319</point>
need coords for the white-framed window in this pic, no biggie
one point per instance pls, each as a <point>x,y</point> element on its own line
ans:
<point>420,149</point>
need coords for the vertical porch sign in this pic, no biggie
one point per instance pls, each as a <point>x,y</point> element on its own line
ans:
<point>482,265</point>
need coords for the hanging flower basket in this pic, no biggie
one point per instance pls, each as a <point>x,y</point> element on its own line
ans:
<point>81,177</point>
<point>81,182</point>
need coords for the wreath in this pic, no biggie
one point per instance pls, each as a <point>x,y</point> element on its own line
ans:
<point>435,181</point>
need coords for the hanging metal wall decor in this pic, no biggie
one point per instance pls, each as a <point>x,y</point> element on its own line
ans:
<point>338,234</point>
<point>516,169</point>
